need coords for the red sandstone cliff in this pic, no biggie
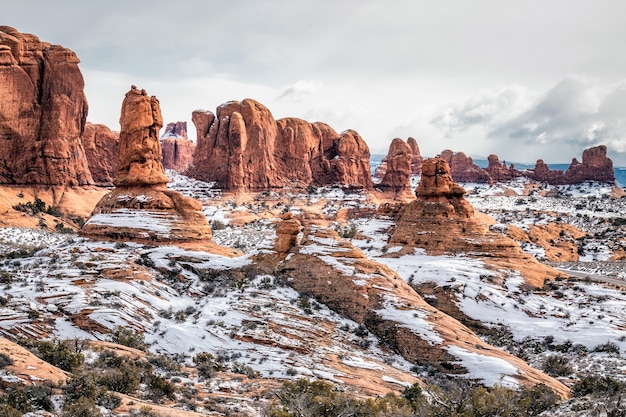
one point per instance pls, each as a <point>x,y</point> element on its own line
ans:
<point>242,147</point>
<point>398,167</point>
<point>42,113</point>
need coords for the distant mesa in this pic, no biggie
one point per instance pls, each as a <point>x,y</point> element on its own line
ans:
<point>141,207</point>
<point>243,148</point>
<point>441,221</point>
<point>43,112</point>
<point>177,149</point>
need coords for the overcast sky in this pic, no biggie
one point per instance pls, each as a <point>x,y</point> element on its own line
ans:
<point>525,79</point>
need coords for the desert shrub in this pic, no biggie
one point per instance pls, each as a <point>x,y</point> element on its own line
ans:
<point>608,347</point>
<point>8,411</point>
<point>240,368</point>
<point>124,379</point>
<point>40,397</point>
<point>597,385</point>
<point>159,387</point>
<point>556,365</point>
<point>80,386</point>
<point>5,360</point>
<point>128,337</point>
<point>83,407</point>
<point>58,353</point>
<point>537,399</point>
<point>207,365</point>
<point>15,397</point>
<point>217,225</point>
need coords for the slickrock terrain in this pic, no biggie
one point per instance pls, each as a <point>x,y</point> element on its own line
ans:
<point>441,220</point>
<point>177,148</point>
<point>340,276</point>
<point>242,147</point>
<point>43,112</point>
<point>102,150</point>
<point>141,207</point>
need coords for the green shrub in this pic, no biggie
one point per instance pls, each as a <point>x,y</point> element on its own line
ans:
<point>83,407</point>
<point>555,365</point>
<point>128,337</point>
<point>5,360</point>
<point>58,353</point>
<point>8,411</point>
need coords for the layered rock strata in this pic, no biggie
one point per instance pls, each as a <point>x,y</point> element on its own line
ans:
<point>141,207</point>
<point>242,147</point>
<point>43,111</point>
<point>442,221</point>
<point>177,149</point>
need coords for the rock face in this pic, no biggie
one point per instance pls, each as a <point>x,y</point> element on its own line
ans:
<point>242,147</point>
<point>398,167</point>
<point>141,207</point>
<point>177,148</point>
<point>42,113</point>
<point>499,172</point>
<point>442,221</point>
<point>102,150</point>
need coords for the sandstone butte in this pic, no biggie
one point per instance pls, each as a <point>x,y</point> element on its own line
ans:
<point>396,167</point>
<point>243,148</point>
<point>416,158</point>
<point>441,221</point>
<point>43,113</point>
<point>595,166</point>
<point>177,148</point>
<point>315,262</point>
<point>140,207</point>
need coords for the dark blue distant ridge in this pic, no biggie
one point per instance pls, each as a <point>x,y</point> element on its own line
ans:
<point>620,172</point>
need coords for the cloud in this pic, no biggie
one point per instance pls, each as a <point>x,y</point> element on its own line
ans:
<point>556,125</point>
<point>298,91</point>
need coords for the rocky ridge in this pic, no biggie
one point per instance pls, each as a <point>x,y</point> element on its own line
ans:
<point>242,147</point>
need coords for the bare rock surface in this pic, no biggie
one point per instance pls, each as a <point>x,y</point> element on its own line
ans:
<point>101,148</point>
<point>398,167</point>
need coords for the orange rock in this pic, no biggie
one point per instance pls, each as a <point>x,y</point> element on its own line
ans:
<point>463,168</point>
<point>141,207</point>
<point>398,167</point>
<point>102,150</point>
<point>242,147</point>
<point>42,113</point>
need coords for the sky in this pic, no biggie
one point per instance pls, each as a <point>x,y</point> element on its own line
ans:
<point>526,80</point>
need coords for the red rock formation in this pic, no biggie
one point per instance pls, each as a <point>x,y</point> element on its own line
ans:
<point>141,207</point>
<point>441,221</point>
<point>102,150</point>
<point>242,147</point>
<point>398,167</point>
<point>594,167</point>
<point>542,173</point>
<point>499,172</point>
<point>42,113</point>
<point>463,169</point>
<point>177,149</point>
<point>416,157</point>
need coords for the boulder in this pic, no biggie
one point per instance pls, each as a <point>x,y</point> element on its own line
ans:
<point>102,150</point>
<point>42,113</point>
<point>242,147</point>
<point>141,207</point>
<point>177,148</point>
